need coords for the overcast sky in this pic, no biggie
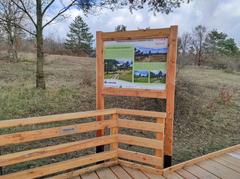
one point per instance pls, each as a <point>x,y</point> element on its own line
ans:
<point>223,15</point>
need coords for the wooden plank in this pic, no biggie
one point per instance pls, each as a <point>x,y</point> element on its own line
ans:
<point>92,175</point>
<point>227,164</point>
<point>170,87</point>
<point>142,113</point>
<point>106,173</point>
<point>140,141</point>
<point>186,174</point>
<point>218,169</point>
<point>84,170</point>
<point>201,158</point>
<point>54,118</point>
<point>231,159</point>
<point>114,131</point>
<point>235,155</point>
<point>28,136</point>
<point>173,175</point>
<point>146,93</point>
<point>120,172</point>
<point>160,137</point>
<point>200,173</point>
<point>135,173</point>
<point>34,154</point>
<point>61,166</point>
<point>140,157</point>
<point>136,34</point>
<point>143,168</point>
<point>141,125</point>
<point>153,176</point>
<point>99,78</point>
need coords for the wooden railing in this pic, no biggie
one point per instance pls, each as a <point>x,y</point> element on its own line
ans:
<point>119,118</point>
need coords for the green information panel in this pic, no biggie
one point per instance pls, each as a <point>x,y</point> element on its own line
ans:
<point>139,64</point>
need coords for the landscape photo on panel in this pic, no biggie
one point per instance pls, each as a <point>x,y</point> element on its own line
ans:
<point>139,64</point>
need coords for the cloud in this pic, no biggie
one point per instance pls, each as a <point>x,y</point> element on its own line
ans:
<point>223,15</point>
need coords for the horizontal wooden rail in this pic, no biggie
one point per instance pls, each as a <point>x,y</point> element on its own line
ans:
<point>140,141</point>
<point>136,34</point>
<point>113,139</point>
<point>135,92</point>
<point>142,113</point>
<point>140,157</point>
<point>61,166</point>
<point>141,125</point>
<point>34,154</point>
<point>54,132</point>
<point>140,167</point>
<point>54,118</point>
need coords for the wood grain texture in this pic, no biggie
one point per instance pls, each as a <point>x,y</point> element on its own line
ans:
<point>61,166</point>
<point>140,157</point>
<point>140,141</point>
<point>54,118</point>
<point>143,168</point>
<point>120,172</point>
<point>141,125</point>
<point>136,34</point>
<point>106,173</point>
<point>146,93</point>
<point>28,136</point>
<point>219,169</point>
<point>34,154</point>
<point>143,113</point>
<point>99,78</point>
<point>135,173</point>
<point>84,170</point>
<point>170,86</point>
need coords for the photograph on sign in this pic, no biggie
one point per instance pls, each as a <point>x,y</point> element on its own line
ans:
<point>138,64</point>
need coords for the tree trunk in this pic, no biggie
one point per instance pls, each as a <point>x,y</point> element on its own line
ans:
<point>12,50</point>
<point>40,81</point>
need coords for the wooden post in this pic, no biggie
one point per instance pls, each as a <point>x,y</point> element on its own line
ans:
<point>171,76</point>
<point>99,84</point>
<point>114,131</point>
<point>160,136</point>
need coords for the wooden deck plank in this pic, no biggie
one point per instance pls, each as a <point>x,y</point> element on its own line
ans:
<point>199,172</point>
<point>91,175</point>
<point>227,164</point>
<point>186,174</point>
<point>106,173</point>
<point>235,155</point>
<point>230,159</point>
<point>173,175</point>
<point>135,173</point>
<point>218,169</point>
<point>77,177</point>
<point>153,176</point>
<point>120,172</point>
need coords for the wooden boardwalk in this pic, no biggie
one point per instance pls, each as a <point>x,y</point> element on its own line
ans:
<point>220,164</point>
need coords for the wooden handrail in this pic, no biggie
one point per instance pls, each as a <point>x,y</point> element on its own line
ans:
<point>54,118</point>
<point>114,155</point>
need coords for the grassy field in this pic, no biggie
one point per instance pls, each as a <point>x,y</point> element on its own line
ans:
<point>207,107</point>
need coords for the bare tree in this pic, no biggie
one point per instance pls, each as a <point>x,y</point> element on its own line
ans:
<point>185,43</point>
<point>9,16</point>
<point>35,12</point>
<point>200,36</point>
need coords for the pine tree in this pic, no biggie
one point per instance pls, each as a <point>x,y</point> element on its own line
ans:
<point>79,39</point>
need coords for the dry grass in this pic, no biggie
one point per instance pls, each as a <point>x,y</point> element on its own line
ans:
<point>204,121</point>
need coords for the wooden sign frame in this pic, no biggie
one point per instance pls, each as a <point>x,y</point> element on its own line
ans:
<point>167,94</point>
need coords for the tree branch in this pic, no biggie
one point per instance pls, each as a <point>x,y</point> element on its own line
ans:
<point>3,22</point>
<point>46,8</point>
<point>23,8</point>
<point>60,13</point>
